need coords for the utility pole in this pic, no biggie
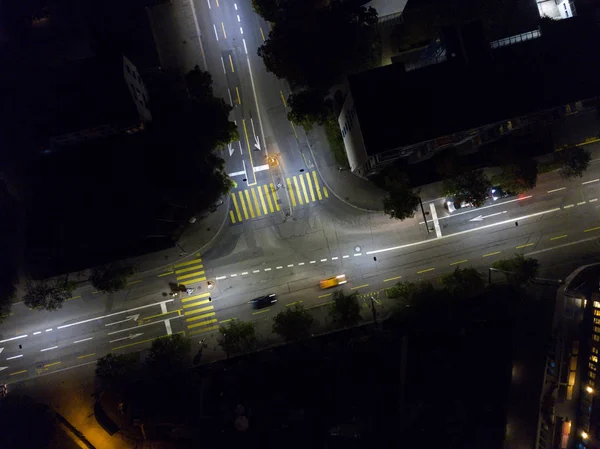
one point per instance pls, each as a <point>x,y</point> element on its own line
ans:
<point>424,216</point>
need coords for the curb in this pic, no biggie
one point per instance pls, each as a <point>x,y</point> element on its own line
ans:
<point>73,432</point>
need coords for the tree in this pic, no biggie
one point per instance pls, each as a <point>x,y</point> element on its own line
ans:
<point>463,282</point>
<point>267,9</point>
<point>199,84</point>
<point>471,187</point>
<point>321,34</point>
<point>48,294</point>
<point>575,161</point>
<point>293,323</point>
<point>517,178</point>
<point>345,309</point>
<point>118,371</point>
<point>109,279</point>
<point>401,203</point>
<point>306,108</point>
<point>169,355</point>
<point>237,336</point>
<point>519,269</point>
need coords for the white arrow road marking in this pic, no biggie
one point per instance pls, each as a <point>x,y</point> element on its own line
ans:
<point>481,217</point>
<point>230,148</point>
<point>129,318</point>
<point>129,337</point>
<point>3,367</point>
<point>256,143</point>
<point>1,349</point>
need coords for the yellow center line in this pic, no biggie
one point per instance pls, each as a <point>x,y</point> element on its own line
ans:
<point>326,192</point>
<point>317,186</point>
<point>231,216</point>
<point>189,262</point>
<point>237,209</point>
<point>95,293</point>
<point>260,311</point>
<point>459,261</point>
<point>52,364</point>
<point>360,286</point>
<point>227,320</point>
<point>323,296</point>
<point>559,237</point>
<point>87,355</point>
<point>200,310</point>
<point>289,183</point>
<point>262,34</point>
<point>592,229</point>
<point>293,303</point>
<point>241,194</point>
<point>200,317</point>
<point>18,372</point>
<point>303,188</point>
<point>283,98</point>
<point>268,198</point>
<point>165,274</point>
<point>310,187</point>
<point>525,246</point>
<point>256,201</point>
<point>249,204</point>
<point>134,282</point>
<point>249,150</point>
<point>492,254</point>
<point>392,279</point>
<point>298,191</point>
<point>262,200</point>
<point>188,269</point>
<point>204,323</point>
<point>319,305</point>
<point>74,297</point>
<point>294,129</point>
<point>217,3</point>
<point>425,271</point>
<point>238,95</point>
<point>195,304</point>
<point>134,344</point>
<point>225,34</point>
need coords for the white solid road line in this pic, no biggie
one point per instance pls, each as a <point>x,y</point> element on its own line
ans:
<point>168,327</point>
<point>199,34</point>
<point>81,341</point>
<point>130,318</point>
<point>14,357</point>
<point>14,338</point>
<point>467,231</point>
<point>481,208</point>
<point>217,36</point>
<point>564,245</point>
<point>109,315</point>
<point>436,222</point>
<point>556,190</point>
<point>589,182</point>
<point>143,325</point>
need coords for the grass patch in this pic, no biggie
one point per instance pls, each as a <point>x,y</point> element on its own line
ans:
<point>336,143</point>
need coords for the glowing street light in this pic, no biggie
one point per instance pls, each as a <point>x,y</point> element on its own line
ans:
<point>589,389</point>
<point>584,435</point>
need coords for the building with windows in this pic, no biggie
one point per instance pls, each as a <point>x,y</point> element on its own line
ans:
<point>469,93</point>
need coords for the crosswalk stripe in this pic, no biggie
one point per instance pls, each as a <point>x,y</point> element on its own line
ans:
<point>190,275</point>
<point>185,270</point>
<point>243,204</point>
<point>289,183</point>
<point>317,186</point>
<point>200,317</point>
<point>237,209</point>
<point>200,310</point>
<point>303,188</point>
<point>231,216</point>
<point>262,200</point>
<point>202,331</point>
<point>312,193</point>
<point>325,192</point>
<point>256,202</point>
<point>195,304</point>
<point>192,298</point>
<point>298,191</point>
<point>275,199</point>
<point>204,323</point>
<point>194,281</point>
<point>268,198</point>
<point>189,262</point>
<point>249,204</point>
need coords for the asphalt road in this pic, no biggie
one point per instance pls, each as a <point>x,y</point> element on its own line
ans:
<point>264,251</point>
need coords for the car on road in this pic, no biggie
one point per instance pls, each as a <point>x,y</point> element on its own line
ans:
<point>498,192</point>
<point>263,301</point>
<point>452,205</point>
<point>333,281</point>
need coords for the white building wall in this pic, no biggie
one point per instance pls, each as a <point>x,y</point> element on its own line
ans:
<point>352,135</point>
<point>137,88</point>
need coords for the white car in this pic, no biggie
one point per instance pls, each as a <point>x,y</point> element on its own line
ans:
<point>452,206</point>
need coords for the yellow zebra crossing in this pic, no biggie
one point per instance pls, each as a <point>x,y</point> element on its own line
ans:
<point>262,200</point>
<point>190,272</point>
<point>199,314</point>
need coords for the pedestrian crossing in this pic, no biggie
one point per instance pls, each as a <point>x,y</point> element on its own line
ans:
<point>264,199</point>
<point>199,314</point>
<point>190,272</point>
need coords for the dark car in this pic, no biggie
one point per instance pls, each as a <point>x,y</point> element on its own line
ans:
<point>263,301</point>
<point>498,192</point>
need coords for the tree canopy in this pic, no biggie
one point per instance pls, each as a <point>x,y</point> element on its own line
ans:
<point>109,279</point>
<point>517,178</point>
<point>575,162</point>
<point>471,187</point>
<point>307,108</point>
<point>333,39</point>
<point>463,282</point>
<point>345,309</point>
<point>236,337</point>
<point>169,354</point>
<point>519,269</point>
<point>118,371</point>
<point>47,294</point>
<point>293,323</point>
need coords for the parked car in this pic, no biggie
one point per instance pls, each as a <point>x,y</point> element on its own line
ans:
<point>452,205</point>
<point>498,192</point>
<point>263,301</point>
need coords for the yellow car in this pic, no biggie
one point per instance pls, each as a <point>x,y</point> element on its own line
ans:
<point>333,281</point>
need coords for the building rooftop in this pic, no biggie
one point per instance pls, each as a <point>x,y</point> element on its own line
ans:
<point>396,108</point>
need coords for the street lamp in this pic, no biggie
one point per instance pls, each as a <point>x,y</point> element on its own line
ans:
<point>589,389</point>
<point>584,435</point>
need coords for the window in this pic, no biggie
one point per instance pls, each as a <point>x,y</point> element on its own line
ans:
<point>596,337</point>
<point>594,350</point>
<point>596,320</point>
<point>596,304</point>
<point>592,375</point>
<point>592,366</point>
<point>596,312</point>
<point>597,329</point>
<point>594,358</point>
